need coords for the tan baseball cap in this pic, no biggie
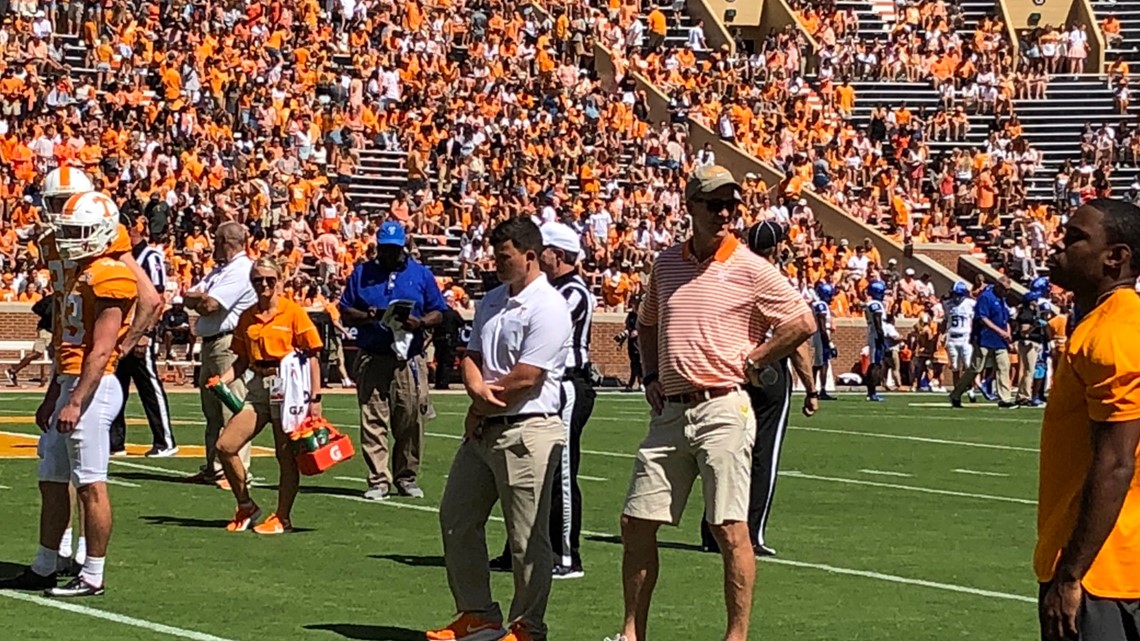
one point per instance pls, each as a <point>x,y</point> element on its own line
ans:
<point>706,180</point>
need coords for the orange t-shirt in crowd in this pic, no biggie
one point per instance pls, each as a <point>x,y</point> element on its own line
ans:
<point>272,336</point>
<point>1097,381</point>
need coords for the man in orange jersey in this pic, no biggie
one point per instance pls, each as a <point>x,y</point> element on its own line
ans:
<point>99,295</point>
<point>60,185</point>
<point>1088,507</point>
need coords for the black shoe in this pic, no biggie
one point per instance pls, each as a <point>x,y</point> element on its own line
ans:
<point>956,402</point>
<point>710,549</point>
<point>1007,406</point>
<point>501,563</point>
<point>28,580</point>
<point>76,588</point>
<point>824,396</point>
<point>69,570</point>
<point>763,551</point>
<point>568,571</point>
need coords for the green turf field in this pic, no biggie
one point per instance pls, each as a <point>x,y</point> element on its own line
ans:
<point>897,522</point>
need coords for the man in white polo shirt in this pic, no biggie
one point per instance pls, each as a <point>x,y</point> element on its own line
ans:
<point>219,299</point>
<point>513,443</point>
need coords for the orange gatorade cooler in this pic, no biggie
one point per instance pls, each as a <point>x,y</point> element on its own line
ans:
<point>319,446</point>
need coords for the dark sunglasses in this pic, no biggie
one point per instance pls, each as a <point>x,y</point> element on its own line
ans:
<point>718,205</point>
<point>270,281</point>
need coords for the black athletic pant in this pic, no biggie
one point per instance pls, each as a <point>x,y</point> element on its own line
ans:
<point>144,373</point>
<point>771,404</point>
<point>444,361</point>
<point>566,521</point>
<point>1103,619</point>
<point>566,508</point>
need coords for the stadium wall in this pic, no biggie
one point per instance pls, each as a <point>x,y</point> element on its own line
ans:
<point>18,323</point>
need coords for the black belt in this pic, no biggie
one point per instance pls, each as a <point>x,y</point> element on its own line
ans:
<point>511,419</point>
<point>700,396</point>
<point>583,372</point>
<point>215,337</point>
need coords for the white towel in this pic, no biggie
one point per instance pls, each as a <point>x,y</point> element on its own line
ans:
<point>401,338</point>
<point>295,385</point>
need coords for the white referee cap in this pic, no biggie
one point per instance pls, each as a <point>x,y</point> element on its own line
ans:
<point>177,300</point>
<point>561,236</point>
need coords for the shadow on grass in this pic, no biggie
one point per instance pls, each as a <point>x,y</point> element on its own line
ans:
<point>411,560</point>
<point>326,489</point>
<point>668,545</point>
<point>181,521</point>
<point>203,523</point>
<point>9,569</point>
<point>369,632</point>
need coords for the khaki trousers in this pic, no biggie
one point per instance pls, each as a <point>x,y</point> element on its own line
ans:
<point>393,397</point>
<point>1027,353</point>
<point>513,464</point>
<point>216,359</point>
<point>987,357</point>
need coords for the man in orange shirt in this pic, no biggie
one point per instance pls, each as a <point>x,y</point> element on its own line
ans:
<point>1088,506</point>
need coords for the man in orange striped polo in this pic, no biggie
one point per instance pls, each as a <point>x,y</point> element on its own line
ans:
<point>1088,505</point>
<point>702,330</point>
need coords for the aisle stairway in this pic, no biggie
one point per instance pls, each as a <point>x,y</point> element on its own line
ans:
<point>1054,126</point>
<point>1128,12</point>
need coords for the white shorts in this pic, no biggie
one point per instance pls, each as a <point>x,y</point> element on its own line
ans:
<point>82,456</point>
<point>960,355</point>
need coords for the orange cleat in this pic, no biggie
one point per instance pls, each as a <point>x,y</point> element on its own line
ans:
<point>469,627</point>
<point>273,525</point>
<point>244,518</point>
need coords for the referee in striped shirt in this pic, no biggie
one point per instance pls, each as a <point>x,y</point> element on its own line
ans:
<point>140,365</point>
<point>562,249</point>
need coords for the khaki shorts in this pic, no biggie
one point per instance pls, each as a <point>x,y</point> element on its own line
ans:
<point>43,342</point>
<point>257,397</point>
<point>712,439</point>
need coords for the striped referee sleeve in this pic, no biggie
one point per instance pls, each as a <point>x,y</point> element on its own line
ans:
<point>154,267</point>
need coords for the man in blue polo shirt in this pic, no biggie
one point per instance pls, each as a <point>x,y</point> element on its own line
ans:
<point>391,375</point>
<point>991,347</point>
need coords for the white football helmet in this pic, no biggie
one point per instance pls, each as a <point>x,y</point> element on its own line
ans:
<point>60,185</point>
<point>87,226</point>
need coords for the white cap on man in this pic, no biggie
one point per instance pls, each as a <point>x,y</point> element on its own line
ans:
<point>561,236</point>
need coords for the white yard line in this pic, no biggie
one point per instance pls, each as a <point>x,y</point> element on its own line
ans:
<point>887,473</point>
<point>115,481</point>
<point>918,439</point>
<point>909,488</point>
<point>831,569</point>
<point>148,468</point>
<point>67,606</point>
<point>980,473</point>
<point>592,478</point>
<point>4,487</point>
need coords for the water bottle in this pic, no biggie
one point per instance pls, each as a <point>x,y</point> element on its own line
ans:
<point>225,395</point>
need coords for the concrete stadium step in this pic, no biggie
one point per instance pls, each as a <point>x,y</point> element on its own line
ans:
<point>873,21</point>
<point>1128,12</point>
<point>974,10</point>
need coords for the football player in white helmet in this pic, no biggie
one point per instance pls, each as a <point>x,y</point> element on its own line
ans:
<point>84,396</point>
<point>59,185</point>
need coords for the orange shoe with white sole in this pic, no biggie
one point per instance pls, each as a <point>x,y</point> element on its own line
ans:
<point>469,627</point>
<point>273,525</point>
<point>244,518</point>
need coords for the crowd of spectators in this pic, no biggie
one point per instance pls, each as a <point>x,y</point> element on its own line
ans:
<point>193,113</point>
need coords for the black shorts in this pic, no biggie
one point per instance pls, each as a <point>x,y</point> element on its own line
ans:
<point>1104,619</point>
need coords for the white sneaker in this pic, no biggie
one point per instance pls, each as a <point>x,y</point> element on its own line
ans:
<point>620,637</point>
<point>162,453</point>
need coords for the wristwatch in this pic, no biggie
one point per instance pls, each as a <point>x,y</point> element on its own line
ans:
<point>813,394</point>
<point>315,398</point>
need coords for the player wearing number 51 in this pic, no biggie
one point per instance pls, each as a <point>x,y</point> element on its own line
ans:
<point>281,393</point>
